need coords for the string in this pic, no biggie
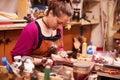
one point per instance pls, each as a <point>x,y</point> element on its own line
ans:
<point>46,26</point>
<point>45,23</point>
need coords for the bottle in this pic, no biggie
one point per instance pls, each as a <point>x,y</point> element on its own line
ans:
<point>84,48</point>
<point>9,69</point>
<point>47,73</point>
<point>91,49</point>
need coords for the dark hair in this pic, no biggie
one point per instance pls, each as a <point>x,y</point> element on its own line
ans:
<point>58,6</point>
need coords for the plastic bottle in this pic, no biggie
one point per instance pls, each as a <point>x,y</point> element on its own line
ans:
<point>47,73</point>
<point>84,48</point>
<point>91,49</point>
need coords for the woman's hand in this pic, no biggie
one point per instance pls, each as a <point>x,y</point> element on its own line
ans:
<point>43,61</point>
<point>48,62</point>
<point>63,54</point>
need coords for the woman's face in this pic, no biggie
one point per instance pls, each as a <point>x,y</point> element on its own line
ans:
<point>58,22</point>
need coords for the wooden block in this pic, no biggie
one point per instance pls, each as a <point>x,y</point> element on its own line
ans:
<point>22,8</point>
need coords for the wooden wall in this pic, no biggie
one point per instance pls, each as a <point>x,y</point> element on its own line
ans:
<point>75,32</point>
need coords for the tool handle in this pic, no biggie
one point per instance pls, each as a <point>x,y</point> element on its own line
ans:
<point>5,62</point>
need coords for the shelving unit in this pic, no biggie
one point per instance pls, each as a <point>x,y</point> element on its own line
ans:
<point>87,28</point>
<point>89,8</point>
<point>87,5</point>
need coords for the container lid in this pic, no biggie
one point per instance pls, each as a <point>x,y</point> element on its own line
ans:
<point>82,65</point>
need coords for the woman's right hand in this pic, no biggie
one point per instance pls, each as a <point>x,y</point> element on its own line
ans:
<point>43,61</point>
<point>49,62</point>
<point>37,61</point>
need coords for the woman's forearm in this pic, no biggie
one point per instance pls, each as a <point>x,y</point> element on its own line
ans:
<point>37,61</point>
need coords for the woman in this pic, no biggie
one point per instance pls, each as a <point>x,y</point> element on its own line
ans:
<point>43,36</point>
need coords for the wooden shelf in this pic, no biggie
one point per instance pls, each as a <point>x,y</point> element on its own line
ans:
<point>84,22</point>
<point>12,26</point>
<point>75,23</point>
<point>93,21</point>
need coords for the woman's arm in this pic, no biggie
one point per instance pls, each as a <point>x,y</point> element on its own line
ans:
<point>61,51</point>
<point>62,46</point>
<point>26,41</point>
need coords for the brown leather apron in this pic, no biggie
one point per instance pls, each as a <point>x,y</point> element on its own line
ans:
<point>47,45</point>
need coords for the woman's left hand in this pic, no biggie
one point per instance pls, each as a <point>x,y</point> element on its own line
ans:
<point>63,54</point>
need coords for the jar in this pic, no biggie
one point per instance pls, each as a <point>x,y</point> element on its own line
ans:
<point>80,71</point>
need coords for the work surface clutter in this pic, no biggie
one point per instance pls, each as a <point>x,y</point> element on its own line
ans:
<point>82,68</point>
